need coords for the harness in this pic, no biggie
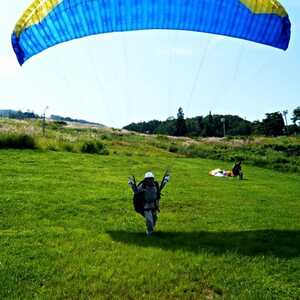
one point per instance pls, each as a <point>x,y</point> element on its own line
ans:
<point>139,199</point>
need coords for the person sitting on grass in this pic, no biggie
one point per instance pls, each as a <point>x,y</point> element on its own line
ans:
<point>146,198</point>
<point>237,170</point>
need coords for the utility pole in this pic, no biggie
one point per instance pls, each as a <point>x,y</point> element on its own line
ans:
<point>44,120</point>
<point>285,112</point>
<point>224,127</point>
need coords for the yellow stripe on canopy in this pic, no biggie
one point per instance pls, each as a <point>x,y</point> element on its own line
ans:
<point>265,7</point>
<point>36,12</point>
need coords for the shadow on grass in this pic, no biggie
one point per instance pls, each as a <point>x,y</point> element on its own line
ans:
<point>279,243</point>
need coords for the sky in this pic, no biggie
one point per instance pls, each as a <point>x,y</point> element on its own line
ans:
<point>118,78</point>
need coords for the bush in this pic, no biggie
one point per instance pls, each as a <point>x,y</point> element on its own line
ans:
<point>17,141</point>
<point>160,144</point>
<point>52,148</point>
<point>68,147</point>
<point>197,151</point>
<point>94,147</point>
<point>106,136</point>
<point>56,125</point>
<point>162,138</point>
<point>173,148</point>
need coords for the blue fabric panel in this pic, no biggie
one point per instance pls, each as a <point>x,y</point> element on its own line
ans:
<point>73,19</point>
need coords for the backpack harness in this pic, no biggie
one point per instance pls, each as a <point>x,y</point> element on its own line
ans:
<point>139,199</point>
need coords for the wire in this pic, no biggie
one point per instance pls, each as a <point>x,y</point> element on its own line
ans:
<point>200,66</point>
<point>238,62</point>
<point>99,83</point>
<point>170,65</point>
<point>228,88</point>
<point>66,79</point>
<point>130,110</point>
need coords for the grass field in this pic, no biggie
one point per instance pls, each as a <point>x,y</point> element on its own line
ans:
<point>68,229</point>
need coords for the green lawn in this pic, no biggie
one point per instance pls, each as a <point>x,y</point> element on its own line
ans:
<point>68,230</point>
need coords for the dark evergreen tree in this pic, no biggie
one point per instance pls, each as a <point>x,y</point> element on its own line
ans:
<point>200,125</point>
<point>258,128</point>
<point>296,115</point>
<point>181,128</point>
<point>167,127</point>
<point>209,128</point>
<point>144,127</point>
<point>274,124</point>
<point>293,129</point>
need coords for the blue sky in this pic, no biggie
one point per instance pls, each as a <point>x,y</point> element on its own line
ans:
<point>119,78</point>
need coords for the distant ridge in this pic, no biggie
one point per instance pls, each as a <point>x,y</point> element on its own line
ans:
<point>71,120</point>
<point>14,114</point>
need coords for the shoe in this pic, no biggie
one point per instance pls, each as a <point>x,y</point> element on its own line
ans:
<point>149,233</point>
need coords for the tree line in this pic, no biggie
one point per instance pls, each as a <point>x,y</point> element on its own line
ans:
<point>14,114</point>
<point>213,125</point>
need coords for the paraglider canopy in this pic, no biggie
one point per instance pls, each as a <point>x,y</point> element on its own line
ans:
<point>46,23</point>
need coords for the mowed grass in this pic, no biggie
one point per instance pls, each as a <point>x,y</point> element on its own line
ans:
<point>68,230</point>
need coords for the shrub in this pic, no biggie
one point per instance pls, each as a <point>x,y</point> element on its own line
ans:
<point>197,151</point>
<point>68,147</point>
<point>17,141</point>
<point>56,125</point>
<point>106,136</point>
<point>94,147</point>
<point>229,138</point>
<point>173,148</point>
<point>162,138</point>
<point>52,147</point>
<point>160,144</point>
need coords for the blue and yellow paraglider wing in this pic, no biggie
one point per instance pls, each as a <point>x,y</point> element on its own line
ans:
<point>49,22</point>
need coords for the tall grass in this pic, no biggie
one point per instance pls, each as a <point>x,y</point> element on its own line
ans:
<point>282,153</point>
<point>25,141</point>
<point>272,156</point>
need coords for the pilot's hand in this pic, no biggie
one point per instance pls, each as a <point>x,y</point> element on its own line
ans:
<point>130,182</point>
<point>167,178</point>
